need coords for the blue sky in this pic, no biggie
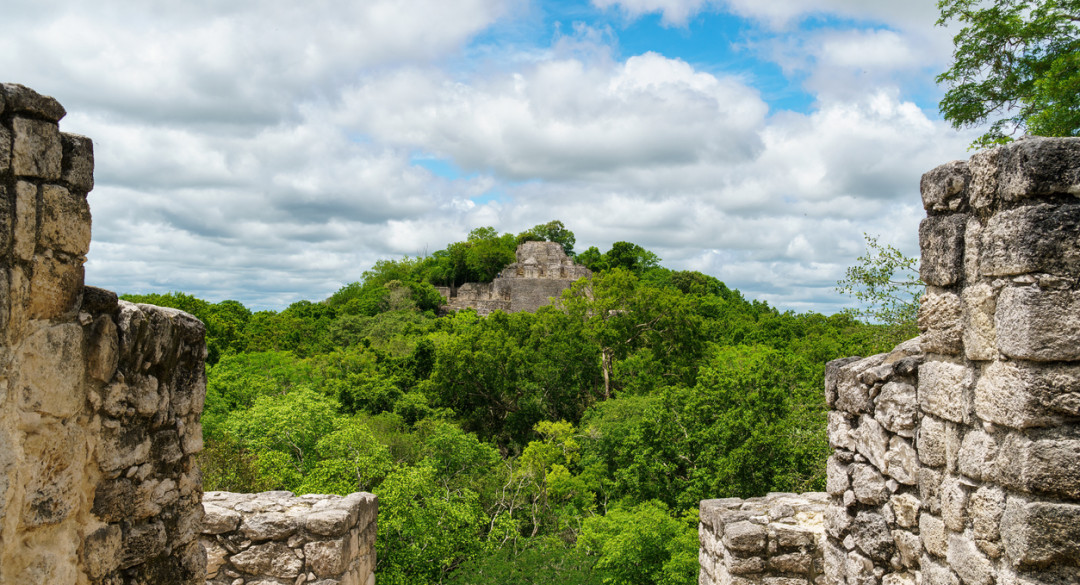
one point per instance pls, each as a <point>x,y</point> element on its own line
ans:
<point>270,151</point>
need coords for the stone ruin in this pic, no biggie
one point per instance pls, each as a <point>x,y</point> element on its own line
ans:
<point>100,402</point>
<point>542,272</point>
<point>956,457</point>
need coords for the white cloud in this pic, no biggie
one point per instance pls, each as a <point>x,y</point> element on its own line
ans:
<point>673,12</point>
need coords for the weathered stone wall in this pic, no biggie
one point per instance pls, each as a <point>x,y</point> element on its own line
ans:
<point>278,538</point>
<point>957,455</point>
<point>775,540</point>
<point>99,400</point>
<point>542,272</point>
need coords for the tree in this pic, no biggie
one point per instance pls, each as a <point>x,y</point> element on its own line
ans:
<point>552,231</point>
<point>886,283</point>
<point>1017,63</point>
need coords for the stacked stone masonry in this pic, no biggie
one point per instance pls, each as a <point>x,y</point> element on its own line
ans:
<point>99,399</point>
<point>542,272</point>
<point>276,538</point>
<point>775,540</point>
<point>956,457</point>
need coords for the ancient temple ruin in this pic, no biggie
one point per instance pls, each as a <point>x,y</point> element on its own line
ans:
<point>542,272</point>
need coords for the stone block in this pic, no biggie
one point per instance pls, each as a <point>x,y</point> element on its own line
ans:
<point>901,461</point>
<point>979,333</point>
<point>77,166</point>
<point>905,509</point>
<point>25,233</point>
<point>1041,534</point>
<point>941,239</point>
<point>53,476</point>
<point>944,390</point>
<point>101,551</point>
<point>65,221</point>
<point>792,563</point>
<point>930,489</point>
<point>968,563</point>
<point>49,378</point>
<point>832,377</point>
<point>745,537</point>
<point>268,526</point>
<point>269,559</point>
<point>985,167</point>
<point>54,286</point>
<point>840,433</point>
<point>931,442</point>
<point>836,474</point>
<point>1034,238</point>
<point>141,542</point>
<point>329,522</point>
<point>871,441</point>
<point>896,408</point>
<point>954,501</point>
<point>20,99</point>
<point>939,321</point>
<point>909,546</point>
<point>328,558</point>
<point>872,535</point>
<point>36,151</point>
<point>944,189</point>
<point>1038,167</point>
<point>103,349</point>
<point>987,507</point>
<point>978,451</point>
<point>1047,466</point>
<point>1038,325</point>
<point>837,521</point>
<point>5,149</point>
<point>123,447</point>
<point>868,485</point>
<point>858,568</point>
<point>932,531</point>
<point>935,573</point>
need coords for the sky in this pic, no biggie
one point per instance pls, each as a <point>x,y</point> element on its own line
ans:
<point>271,151</point>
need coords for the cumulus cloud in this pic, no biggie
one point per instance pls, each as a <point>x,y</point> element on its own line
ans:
<point>672,12</point>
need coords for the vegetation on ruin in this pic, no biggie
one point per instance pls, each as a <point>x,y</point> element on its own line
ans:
<point>1017,66</point>
<point>499,450</point>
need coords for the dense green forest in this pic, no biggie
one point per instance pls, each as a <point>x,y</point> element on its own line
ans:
<point>567,446</point>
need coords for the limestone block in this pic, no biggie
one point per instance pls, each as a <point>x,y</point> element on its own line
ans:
<point>836,474</point>
<point>978,451</point>
<point>909,546</point>
<point>789,536</point>
<point>832,377</point>
<point>853,395</point>
<point>932,531</point>
<point>1034,238</point>
<point>101,550</point>
<point>857,567</point>
<point>36,151</point>
<point>871,441</point>
<point>983,188</point>
<point>216,556</point>
<point>1024,394</point>
<point>939,321</point>
<point>837,521</point>
<point>944,389</point>
<point>77,167</point>
<point>50,373</point>
<point>930,489</point>
<point>25,235</point>
<point>931,442</point>
<point>54,287</point>
<point>745,537</point>
<point>270,559</point>
<point>218,519</point>
<point>941,239</point>
<point>868,485</point>
<point>954,501</point>
<point>141,542</point>
<point>972,244</point>
<point>103,349</point>
<point>22,99</point>
<point>123,447</point>
<point>268,526</point>
<point>979,334</point>
<point>327,558</point>
<point>1041,533</point>
<point>53,477</point>
<point>329,522</point>
<point>970,565</point>
<point>1039,167</point>
<point>905,509</point>
<point>987,507</point>
<point>1038,325</point>
<point>896,408</point>
<point>5,149</point>
<point>835,559</point>
<point>934,573</point>
<point>944,189</point>
<point>872,536</point>
<point>839,431</point>
<point>899,579</point>
<point>1046,466</point>
<point>792,563</point>
<point>901,461</point>
<point>65,221</point>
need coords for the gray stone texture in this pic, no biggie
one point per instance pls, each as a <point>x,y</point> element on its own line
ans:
<point>1038,325</point>
<point>941,239</point>
<point>1035,238</point>
<point>944,189</point>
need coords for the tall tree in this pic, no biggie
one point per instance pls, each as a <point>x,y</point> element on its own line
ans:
<point>1017,65</point>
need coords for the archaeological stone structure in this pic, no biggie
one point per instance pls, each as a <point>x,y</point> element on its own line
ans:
<point>542,272</point>
<point>276,537</point>
<point>956,457</point>
<point>100,406</point>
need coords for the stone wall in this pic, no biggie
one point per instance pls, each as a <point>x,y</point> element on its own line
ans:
<point>542,272</point>
<point>277,538</point>
<point>774,540</point>
<point>99,400</point>
<point>957,455</point>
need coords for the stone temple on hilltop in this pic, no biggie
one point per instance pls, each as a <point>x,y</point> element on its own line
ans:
<point>542,271</point>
